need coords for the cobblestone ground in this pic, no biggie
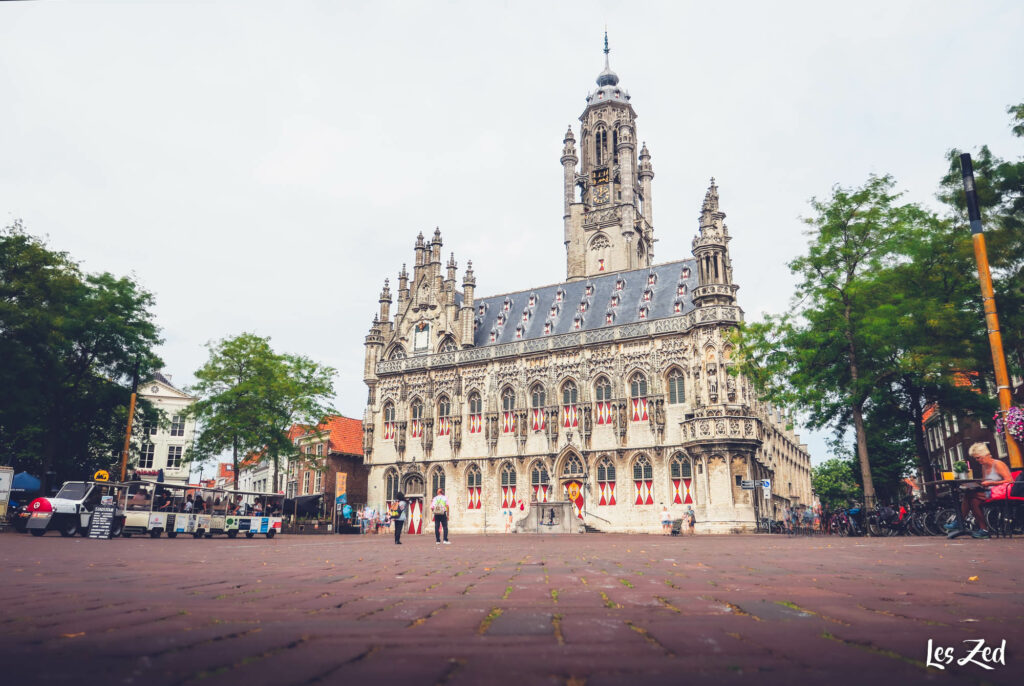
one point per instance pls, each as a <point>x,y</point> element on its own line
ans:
<point>592,609</point>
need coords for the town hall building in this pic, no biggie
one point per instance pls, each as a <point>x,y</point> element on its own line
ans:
<point>612,389</point>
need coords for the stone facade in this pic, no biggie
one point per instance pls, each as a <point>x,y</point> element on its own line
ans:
<point>612,390</point>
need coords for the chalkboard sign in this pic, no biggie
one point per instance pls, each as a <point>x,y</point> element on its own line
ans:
<point>102,521</point>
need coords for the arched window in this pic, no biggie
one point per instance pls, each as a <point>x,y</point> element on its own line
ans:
<point>391,485</point>
<point>676,394</point>
<point>389,421</point>
<point>474,486</point>
<point>448,345</point>
<point>537,400</point>
<point>570,409</point>
<point>638,396</point>
<point>508,485</point>
<point>416,426</point>
<point>643,481</point>
<point>573,466</point>
<point>397,353</point>
<point>508,414</point>
<point>603,400</point>
<point>444,416</point>
<point>682,480</point>
<point>436,480</point>
<point>476,408</point>
<point>540,482</point>
<point>606,482</point>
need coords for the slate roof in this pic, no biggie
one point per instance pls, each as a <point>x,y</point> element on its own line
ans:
<point>664,288</point>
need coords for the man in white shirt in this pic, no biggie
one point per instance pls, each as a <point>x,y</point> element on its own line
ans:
<point>439,508</point>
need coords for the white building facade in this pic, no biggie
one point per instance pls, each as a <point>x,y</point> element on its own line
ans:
<point>165,444</point>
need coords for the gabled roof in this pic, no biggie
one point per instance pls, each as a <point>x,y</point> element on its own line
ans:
<point>345,435</point>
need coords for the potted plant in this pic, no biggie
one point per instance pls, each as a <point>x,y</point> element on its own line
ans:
<point>1012,423</point>
<point>960,467</point>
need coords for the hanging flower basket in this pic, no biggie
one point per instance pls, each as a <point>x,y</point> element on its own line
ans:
<point>1014,423</point>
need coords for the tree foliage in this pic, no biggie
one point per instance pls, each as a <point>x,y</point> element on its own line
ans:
<point>250,396</point>
<point>70,343</point>
<point>834,483</point>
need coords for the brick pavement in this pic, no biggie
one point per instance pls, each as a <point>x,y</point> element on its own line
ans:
<point>571,610</point>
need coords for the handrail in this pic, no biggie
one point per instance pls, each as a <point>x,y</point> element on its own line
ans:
<point>588,514</point>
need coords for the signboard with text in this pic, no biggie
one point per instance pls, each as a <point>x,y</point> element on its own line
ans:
<point>340,484</point>
<point>102,522</point>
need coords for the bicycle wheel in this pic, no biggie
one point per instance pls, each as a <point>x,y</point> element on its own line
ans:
<point>873,525</point>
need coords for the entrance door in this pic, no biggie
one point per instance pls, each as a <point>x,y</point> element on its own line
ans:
<point>415,516</point>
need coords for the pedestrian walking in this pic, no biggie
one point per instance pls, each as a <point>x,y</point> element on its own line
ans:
<point>439,508</point>
<point>399,513</point>
<point>690,517</point>
<point>666,521</point>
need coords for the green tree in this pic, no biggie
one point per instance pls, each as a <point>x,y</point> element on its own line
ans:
<point>834,483</point>
<point>834,350</point>
<point>70,343</point>
<point>250,396</point>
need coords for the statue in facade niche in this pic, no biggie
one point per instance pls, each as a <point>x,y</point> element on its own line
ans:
<point>730,387</point>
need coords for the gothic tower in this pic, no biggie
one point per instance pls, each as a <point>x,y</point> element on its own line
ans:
<point>608,226</point>
<point>711,249</point>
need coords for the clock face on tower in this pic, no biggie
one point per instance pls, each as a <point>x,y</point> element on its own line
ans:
<point>602,194</point>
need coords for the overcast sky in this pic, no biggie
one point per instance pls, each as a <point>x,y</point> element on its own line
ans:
<point>263,166</point>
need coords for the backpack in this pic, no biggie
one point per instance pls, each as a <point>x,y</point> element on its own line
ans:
<point>439,507</point>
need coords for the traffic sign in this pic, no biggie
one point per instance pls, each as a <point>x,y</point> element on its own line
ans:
<point>747,485</point>
<point>766,483</point>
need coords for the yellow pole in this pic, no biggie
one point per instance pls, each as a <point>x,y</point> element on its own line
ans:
<point>995,340</point>
<point>127,436</point>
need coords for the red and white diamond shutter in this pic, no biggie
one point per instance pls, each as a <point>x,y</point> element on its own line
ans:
<point>639,409</point>
<point>606,490</point>
<point>604,413</point>
<point>508,496</point>
<point>415,516</point>
<point>475,423</point>
<point>508,422</point>
<point>643,481</point>
<point>444,426</point>
<point>540,493</point>
<point>475,498</point>
<point>389,431</point>
<point>417,428</point>
<point>474,483</point>
<point>537,419</point>
<point>681,492</point>
<point>570,416</point>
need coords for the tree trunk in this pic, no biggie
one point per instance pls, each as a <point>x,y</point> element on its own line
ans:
<point>234,460</point>
<point>858,417</point>
<point>924,465</point>
<point>862,456</point>
<point>277,469</point>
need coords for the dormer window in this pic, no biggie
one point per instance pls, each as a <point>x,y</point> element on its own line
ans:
<point>519,331</point>
<point>681,290</point>
<point>577,322</point>
<point>547,327</point>
<point>526,315</point>
<point>652,278</point>
<point>620,283</point>
<point>644,311</point>
<point>494,335</point>
<point>554,310</point>
<point>615,300</point>
<point>501,319</point>
<point>559,295</point>
<point>507,305</point>
<point>482,309</point>
<point>583,306</point>
<point>686,273</point>
<point>647,295</point>
<point>677,306</point>
<point>533,299</point>
<point>609,318</point>
<point>589,290</point>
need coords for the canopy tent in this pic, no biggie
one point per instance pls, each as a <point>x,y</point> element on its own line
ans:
<point>303,505</point>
